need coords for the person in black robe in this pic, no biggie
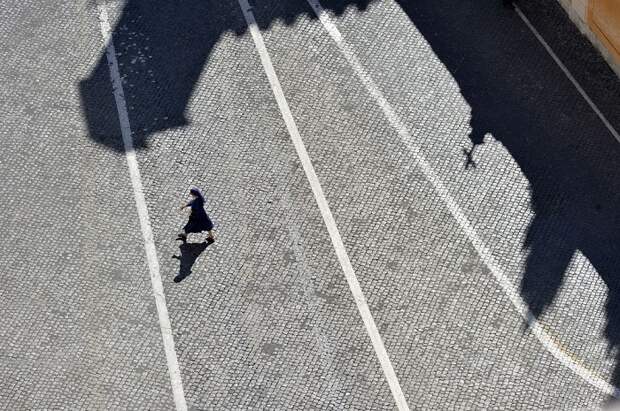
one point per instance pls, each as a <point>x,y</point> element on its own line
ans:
<point>198,221</point>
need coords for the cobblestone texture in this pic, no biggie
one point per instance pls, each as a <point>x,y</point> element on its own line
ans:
<point>263,318</point>
<point>79,326</point>
<point>369,155</point>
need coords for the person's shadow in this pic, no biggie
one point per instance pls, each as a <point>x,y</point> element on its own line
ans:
<point>189,254</point>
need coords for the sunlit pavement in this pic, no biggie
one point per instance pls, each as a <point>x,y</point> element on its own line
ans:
<point>475,190</point>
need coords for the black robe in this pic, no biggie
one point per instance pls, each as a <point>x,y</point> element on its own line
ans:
<point>198,219</point>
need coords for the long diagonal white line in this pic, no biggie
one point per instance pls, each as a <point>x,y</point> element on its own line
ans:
<point>145,225</point>
<point>565,70</point>
<point>326,213</point>
<point>483,251</point>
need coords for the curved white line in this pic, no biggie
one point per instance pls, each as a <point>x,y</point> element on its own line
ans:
<point>483,251</point>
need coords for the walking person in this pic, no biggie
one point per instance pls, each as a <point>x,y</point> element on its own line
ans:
<point>198,221</point>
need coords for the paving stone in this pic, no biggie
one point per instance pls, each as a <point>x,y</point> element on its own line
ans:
<point>264,318</point>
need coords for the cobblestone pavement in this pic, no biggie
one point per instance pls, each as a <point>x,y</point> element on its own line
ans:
<point>264,318</point>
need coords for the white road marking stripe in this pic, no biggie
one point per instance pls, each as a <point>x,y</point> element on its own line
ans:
<point>581,91</point>
<point>147,233</point>
<point>328,218</point>
<point>485,254</point>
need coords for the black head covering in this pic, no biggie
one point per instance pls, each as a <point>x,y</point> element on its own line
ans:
<point>195,191</point>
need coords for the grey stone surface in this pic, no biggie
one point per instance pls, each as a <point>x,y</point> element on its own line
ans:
<point>545,146</point>
<point>369,183</point>
<point>263,318</point>
<point>79,325</point>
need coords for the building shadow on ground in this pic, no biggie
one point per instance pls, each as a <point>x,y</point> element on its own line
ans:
<point>162,47</point>
<point>189,253</point>
<point>569,158</point>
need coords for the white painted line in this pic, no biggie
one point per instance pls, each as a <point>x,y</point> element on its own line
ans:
<point>580,89</point>
<point>485,253</point>
<point>328,218</point>
<point>147,233</point>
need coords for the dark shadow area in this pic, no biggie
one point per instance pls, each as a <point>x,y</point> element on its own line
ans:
<point>522,99</point>
<point>516,93</point>
<point>189,254</point>
<point>162,47</point>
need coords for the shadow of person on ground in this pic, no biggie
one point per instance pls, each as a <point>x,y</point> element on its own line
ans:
<point>162,47</point>
<point>189,254</point>
<point>567,155</point>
